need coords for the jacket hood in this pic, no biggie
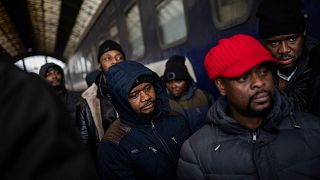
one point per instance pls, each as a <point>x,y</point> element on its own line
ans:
<point>44,69</point>
<point>120,79</point>
<point>281,108</point>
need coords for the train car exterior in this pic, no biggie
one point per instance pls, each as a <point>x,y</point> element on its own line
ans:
<point>152,31</point>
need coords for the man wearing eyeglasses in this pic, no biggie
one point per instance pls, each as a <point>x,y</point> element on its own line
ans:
<point>95,111</point>
<point>145,142</point>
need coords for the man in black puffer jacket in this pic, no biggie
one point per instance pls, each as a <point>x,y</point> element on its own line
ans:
<point>251,130</point>
<point>146,142</point>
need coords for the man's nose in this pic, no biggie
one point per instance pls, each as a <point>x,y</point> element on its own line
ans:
<point>144,96</point>
<point>284,48</point>
<point>257,81</point>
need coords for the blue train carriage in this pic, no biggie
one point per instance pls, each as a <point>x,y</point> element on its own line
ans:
<point>152,31</point>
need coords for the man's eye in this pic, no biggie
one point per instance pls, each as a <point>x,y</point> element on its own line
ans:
<point>242,78</point>
<point>292,39</point>
<point>147,88</point>
<point>133,96</point>
<point>274,43</point>
<point>119,58</point>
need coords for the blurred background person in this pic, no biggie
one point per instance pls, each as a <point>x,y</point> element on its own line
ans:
<point>39,141</point>
<point>185,96</point>
<point>54,75</point>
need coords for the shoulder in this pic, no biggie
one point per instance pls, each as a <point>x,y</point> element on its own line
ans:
<point>202,138</point>
<point>308,120</point>
<point>82,103</point>
<point>210,98</point>
<point>116,132</point>
<point>90,92</point>
<point>301,120</point>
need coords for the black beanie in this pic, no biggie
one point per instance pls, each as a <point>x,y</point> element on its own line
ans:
<point>109,45</point>
<point>176,69</point>
<point>280,17</point>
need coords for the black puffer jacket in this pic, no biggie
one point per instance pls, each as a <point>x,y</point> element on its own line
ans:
<point>285,146</point>
<point>95,113</point>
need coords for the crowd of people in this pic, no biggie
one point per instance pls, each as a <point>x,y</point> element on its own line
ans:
<point>131,123</point>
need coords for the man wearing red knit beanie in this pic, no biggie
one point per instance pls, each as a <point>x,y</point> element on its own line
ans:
<point>251,130</point>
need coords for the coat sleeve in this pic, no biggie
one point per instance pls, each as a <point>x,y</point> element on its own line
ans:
<point>82,120</point>
<point>188,167</point>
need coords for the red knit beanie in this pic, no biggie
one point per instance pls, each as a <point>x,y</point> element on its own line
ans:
<point>234,56</point>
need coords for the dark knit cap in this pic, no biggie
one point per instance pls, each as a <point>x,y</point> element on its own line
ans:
<point>176,69</point>
<point>280,17</point>
<point>109,45</point>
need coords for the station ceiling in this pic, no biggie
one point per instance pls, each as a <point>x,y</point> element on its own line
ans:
<point>47,27</point>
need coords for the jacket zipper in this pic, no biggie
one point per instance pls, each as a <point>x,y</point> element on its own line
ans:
<point>162,141</point>
<point>254,136</point>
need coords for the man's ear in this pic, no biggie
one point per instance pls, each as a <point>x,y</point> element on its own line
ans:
<point>221,86</point>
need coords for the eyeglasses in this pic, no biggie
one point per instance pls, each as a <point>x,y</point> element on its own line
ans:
<point>118,58</point>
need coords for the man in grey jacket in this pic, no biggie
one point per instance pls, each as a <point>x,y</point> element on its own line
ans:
<point>252,131</point>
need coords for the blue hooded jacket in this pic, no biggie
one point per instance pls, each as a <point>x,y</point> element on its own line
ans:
<point>147,148</point>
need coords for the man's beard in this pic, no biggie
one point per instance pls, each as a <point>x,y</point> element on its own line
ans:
<point>251,112</point>
<point>150,115</point>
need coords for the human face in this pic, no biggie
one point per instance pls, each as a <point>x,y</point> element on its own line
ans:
<point>142,99</point>
<point>250,95</point>
<point>177,87</point>
<point>54,77</point>
<point>286,49</point>
<point>110,58</point>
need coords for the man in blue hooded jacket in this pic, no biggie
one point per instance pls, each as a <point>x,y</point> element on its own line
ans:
<point>146,141</point>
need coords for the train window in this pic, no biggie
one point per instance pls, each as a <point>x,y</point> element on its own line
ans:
<point>134,29</point>
<point>229,13</point>
<point>171,22</point>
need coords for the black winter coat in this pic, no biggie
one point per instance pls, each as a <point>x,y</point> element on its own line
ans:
<point>94,115</point>
<point>38,140</point>
<point>140,147</point>
<point>285,146</point>
<point>299,88</point>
